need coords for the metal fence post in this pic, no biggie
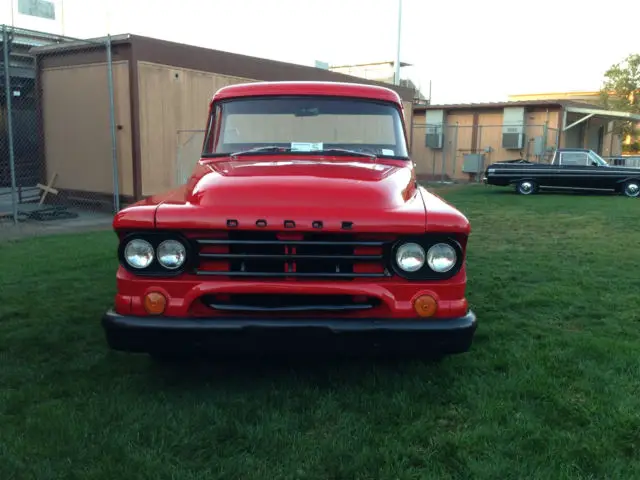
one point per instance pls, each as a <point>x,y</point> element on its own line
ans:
<point>444,151</point>
<point>112,121</point>
<point>433,165</point>
<point>7,91</point>
<point>479,149</point>
<point>455,150</point>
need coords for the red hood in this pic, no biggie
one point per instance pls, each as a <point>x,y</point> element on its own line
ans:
<point>302,184</point>
<point>374,196</point>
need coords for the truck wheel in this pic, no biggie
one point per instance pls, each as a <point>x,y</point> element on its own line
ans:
<point>631,188</point>
<point>526,187</point>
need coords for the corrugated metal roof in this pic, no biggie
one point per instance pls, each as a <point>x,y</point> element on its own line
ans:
<point>602,112</point>
<point>33,38</point>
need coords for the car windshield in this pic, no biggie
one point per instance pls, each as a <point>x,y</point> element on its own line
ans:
<point>308,125</point>
<point>594,157</point>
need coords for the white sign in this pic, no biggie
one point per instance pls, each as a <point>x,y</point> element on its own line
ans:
<point>305,147</point>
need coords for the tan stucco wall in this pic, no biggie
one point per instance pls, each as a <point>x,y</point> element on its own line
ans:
<point>462,138</point>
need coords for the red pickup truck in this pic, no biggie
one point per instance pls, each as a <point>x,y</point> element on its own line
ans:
<point>301,227</point>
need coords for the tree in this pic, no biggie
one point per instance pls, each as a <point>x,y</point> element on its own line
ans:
<point>621,90</point>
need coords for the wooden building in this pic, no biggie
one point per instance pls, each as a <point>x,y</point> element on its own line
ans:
<point>161,88</point>
<point>456,142</point>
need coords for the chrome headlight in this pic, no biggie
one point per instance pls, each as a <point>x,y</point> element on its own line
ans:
<point>410,257</point>
<point>171,254</point>
<point>441,257</point>
<point>138,253</point>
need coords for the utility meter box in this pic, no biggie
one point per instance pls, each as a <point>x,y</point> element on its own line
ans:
<point>473,163</point>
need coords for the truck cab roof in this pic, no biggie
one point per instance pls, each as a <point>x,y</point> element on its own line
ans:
<point>333,89</point>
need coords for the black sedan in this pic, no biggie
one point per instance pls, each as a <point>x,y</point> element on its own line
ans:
<point>573,169</point>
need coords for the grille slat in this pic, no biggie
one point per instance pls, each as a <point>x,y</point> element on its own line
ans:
<point>303,255</point>
<point>289,242</point>
<point>288,303</point>
<point>290,274</point>
<point>291,256</point>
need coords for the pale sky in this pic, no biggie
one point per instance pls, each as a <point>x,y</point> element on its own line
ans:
<point>471,50</point>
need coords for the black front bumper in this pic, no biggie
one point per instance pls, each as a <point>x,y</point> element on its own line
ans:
<point>277,335</point>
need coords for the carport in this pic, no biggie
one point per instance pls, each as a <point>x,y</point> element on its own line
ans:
<point>590,126</point>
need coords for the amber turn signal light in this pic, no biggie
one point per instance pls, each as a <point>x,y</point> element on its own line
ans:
<point>155,303</point>
<point>425,306</point>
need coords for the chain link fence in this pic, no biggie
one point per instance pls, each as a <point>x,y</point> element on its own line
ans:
<point>453,153</point>
<point>58,145</point>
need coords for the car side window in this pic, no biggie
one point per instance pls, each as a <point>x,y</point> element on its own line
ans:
<point>575,159</point>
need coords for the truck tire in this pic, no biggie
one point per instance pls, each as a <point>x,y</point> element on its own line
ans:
<point>631,188</point>
<point>526,187</point>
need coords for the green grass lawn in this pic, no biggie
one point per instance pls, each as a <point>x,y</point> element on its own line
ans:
<point>550,390</point>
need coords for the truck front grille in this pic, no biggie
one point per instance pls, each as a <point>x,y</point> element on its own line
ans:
<point>288,303</point>
<point>262,254</point>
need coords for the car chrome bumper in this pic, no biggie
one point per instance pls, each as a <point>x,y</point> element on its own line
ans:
<point>249,335</point>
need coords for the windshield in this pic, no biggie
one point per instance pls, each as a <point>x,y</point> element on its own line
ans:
<point>306,124</point>
<point>594,157</point>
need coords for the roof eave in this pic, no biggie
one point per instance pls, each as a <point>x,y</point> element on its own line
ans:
<point>476,106</point>
<point>605,113</point>
<point>74,45</point>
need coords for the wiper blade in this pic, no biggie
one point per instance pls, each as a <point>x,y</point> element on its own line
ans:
<point>268,148</point>
<point>349,152</point>
<point>276,148</point>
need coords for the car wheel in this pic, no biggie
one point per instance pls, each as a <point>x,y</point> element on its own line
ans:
<point>526,187</point>
<point>631,188</point>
